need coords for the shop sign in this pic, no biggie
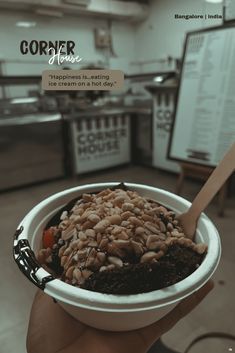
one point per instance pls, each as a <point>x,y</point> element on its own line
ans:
<point>100,142</point>
<point>163,108</point>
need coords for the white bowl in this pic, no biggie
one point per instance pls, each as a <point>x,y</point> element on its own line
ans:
<point>106,311</point>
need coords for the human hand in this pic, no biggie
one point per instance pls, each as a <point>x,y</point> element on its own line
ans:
<point>53,330</point>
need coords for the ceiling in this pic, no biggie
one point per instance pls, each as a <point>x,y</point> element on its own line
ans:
<point>137,10</point>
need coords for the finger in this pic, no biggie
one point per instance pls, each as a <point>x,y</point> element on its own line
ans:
<point>152,332</point>
<point>50,327</point>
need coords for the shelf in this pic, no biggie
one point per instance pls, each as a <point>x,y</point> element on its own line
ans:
<point>19,80</point>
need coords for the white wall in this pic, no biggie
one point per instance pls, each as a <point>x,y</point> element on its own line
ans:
<point>162,35</point>
<point>157,37</point>
<point>80,30</point>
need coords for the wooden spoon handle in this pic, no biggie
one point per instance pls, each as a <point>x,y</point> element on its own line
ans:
<point>213,184</point>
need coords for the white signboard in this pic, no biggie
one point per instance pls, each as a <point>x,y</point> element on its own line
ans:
<point>100,142</point>
<point>163,108</point>
<point>204,126</point>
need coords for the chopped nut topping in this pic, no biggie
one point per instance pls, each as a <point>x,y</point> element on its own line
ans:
<point>103,231</point>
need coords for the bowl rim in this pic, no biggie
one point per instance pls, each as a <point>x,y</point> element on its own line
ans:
<point>76,296</point>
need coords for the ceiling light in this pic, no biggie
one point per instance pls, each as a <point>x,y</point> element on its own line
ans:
<point>26,24</point>
<point>215,1</point>
<point>24,100</point>
<point>158,79</point>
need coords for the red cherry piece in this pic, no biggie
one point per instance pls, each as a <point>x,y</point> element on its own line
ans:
<point>48,239</point>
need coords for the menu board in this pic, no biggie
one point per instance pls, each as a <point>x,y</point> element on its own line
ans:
<point>204,124</point>
<point>229,13</point>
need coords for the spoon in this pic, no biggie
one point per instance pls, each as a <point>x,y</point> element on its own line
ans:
<point>221,173</point>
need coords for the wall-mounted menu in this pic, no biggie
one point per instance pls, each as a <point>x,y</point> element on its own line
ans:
<point>229,14</point>
<point>204,126</point>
